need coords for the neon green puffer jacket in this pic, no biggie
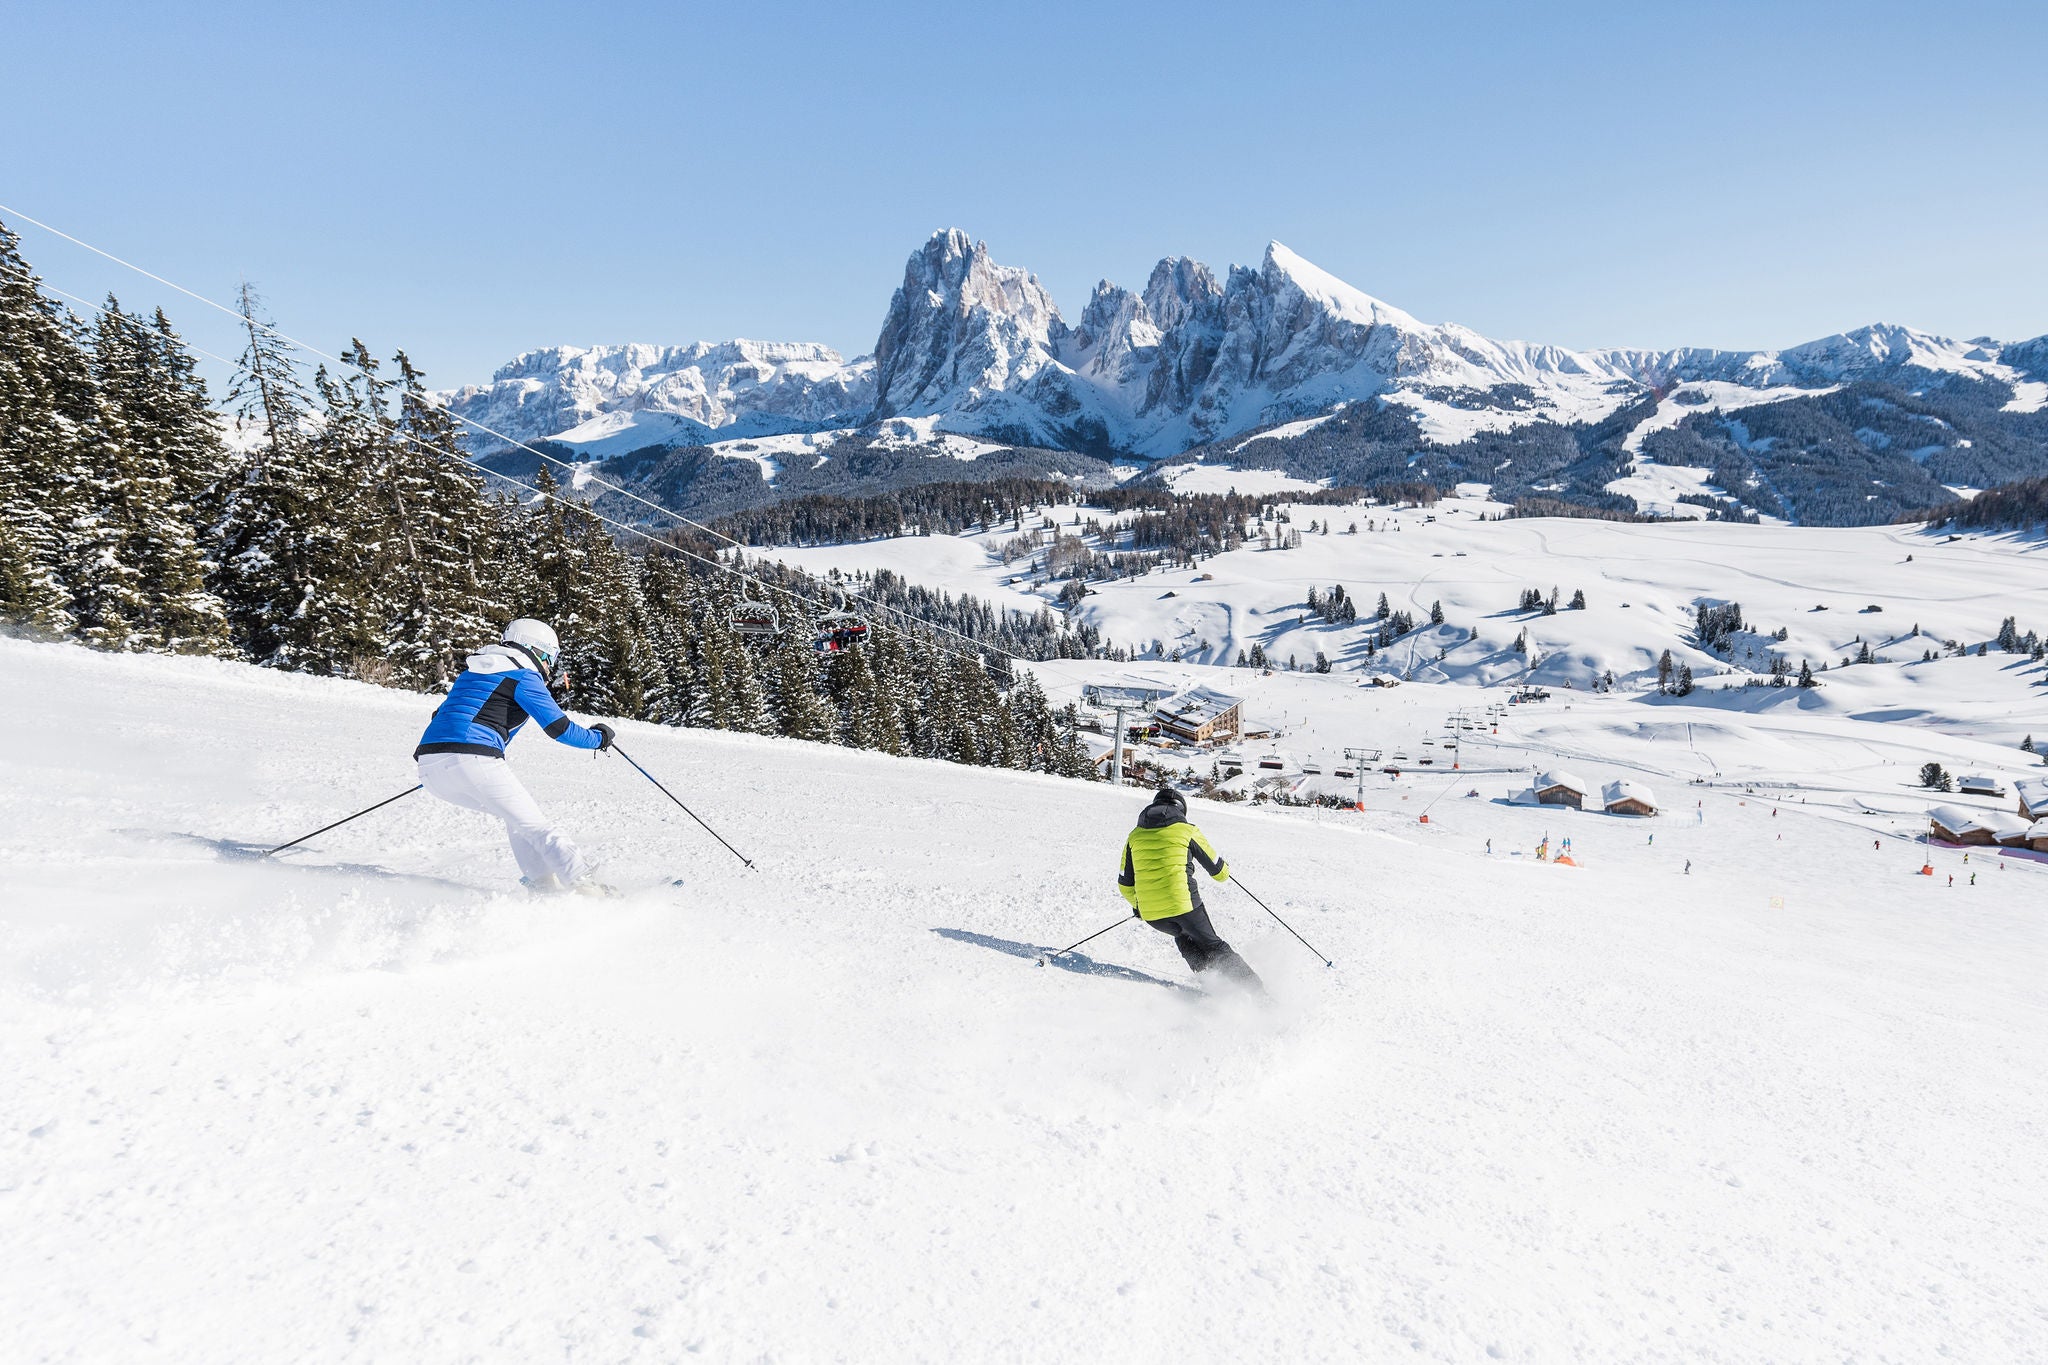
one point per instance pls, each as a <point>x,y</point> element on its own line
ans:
<point>1160,858</point>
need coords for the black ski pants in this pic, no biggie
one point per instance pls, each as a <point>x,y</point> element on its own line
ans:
<point>1200,946</point>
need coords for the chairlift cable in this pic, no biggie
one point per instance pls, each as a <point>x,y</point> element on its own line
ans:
<point>589,477</point>
<point>31,278</point>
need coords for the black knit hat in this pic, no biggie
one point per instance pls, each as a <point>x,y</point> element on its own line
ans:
<point>1170,795</point>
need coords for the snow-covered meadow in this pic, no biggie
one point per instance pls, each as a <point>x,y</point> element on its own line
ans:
<point>1902,589</point>
<point>368,1103</point>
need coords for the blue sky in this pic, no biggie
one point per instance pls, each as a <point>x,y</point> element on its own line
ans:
<point>468,180</point>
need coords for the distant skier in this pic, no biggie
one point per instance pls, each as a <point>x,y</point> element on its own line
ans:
<point>462,753</point>
<point>1158,878</point>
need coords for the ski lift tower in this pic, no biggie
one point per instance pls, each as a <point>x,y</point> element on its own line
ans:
<point>1363,759</point>
<point>1119,700</point>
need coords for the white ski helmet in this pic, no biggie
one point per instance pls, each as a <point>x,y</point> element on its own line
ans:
<point>537,638</point>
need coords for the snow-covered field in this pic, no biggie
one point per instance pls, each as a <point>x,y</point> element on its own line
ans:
<point>1642,583</point>
<point>367,1103</point>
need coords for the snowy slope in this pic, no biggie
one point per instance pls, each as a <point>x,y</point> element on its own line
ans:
<point>1642,583</point>
<point>362,1104</point>
<point>981,349</point>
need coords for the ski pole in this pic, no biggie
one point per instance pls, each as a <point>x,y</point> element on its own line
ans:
<point>1044,958</point>
<point>680,806</point>
<point>339,823</point>
<point>1281,922</point>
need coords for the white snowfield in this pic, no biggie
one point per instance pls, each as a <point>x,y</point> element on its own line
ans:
<point>1642,583</point>
<point>365,1102</point>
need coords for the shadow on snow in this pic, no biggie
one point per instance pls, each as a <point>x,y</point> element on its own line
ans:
<point>1079,963</point>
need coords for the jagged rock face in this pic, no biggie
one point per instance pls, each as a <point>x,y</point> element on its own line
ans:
<point>982,350</point>
<point>962,329</point>
<point>1116,341</point>
<point>2028,357</point>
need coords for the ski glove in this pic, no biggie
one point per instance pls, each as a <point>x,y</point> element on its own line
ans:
<point>605,734</point>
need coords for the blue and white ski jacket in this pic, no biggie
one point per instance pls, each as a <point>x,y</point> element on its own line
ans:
<point>495,695</point>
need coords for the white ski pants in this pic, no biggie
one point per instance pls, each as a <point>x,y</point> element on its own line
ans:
<point>475,782</point>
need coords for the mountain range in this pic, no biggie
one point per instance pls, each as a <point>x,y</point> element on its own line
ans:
<point>1284,366</point>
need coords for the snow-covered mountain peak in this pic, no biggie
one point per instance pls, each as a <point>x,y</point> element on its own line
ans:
<point>1342,300</point>
<point>1180,287</point>
<point>980,349</point>
<point>960,329</point>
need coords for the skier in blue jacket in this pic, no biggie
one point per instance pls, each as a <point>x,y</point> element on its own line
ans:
<point>462,753</point>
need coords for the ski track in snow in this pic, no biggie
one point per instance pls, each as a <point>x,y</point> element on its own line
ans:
<point>362,1103</point>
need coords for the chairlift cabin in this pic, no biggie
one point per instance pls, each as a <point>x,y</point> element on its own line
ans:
<point>1346,773</point>
<point>1312,769</point>
<point>1272,763</point>
<point>756,618</point>
<point>839,631</point>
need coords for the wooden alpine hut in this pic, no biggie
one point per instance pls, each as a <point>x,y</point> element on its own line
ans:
<point>1959,825</point>
<point>2033,794</point>
<point>1622,797</point>
<point>1560,788</point>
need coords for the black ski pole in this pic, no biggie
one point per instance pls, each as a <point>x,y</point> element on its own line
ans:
<point>339,823</point>
<point>1044,958</point>
<point>680,806</point>
<point>1281,922</point>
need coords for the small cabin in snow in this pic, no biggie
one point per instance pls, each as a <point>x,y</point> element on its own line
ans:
<point>2008,830</point>
<point>1957,825</point>
<point>2037,836</point>
<point>2033,793</point>
<point>1560,788</point>
<point>1623,797</point>
<point>1980,784</point>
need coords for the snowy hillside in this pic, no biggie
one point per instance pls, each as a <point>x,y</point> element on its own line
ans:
<point>1902,590</point>
<point>982,350</point>
<point>365,1103</point>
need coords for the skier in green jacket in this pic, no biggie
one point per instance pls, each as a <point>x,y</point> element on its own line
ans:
<point>1161,857</point>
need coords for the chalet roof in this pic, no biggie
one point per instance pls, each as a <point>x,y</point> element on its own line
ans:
<point>2033,791</point>
<point>1558,777</point>
<point>1959,819</point>
<point>1195,707</point>
<point>2003,824</point>
<point>1624,790</point>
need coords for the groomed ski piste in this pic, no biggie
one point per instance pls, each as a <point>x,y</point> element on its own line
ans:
<point>367,1101</point>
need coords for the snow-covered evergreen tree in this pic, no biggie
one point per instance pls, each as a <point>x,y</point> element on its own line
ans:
<point>40,450</point>
<point>442,525</point>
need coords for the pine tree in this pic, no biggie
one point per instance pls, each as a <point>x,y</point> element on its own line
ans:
<point>867,721</point>
<point>108,495</point>
<point>1382,611</point>
<point>264,499</point>
<point>1436,613</point>
<point>179,430</point>
<point>1578,602</point>
<point>1665,667</point>
<point>40,451</point>
<point>440,526</point>
<point>1806,674</point>
<point>160,457</point>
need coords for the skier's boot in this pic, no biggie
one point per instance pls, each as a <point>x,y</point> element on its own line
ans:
<point>1239,974</point>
